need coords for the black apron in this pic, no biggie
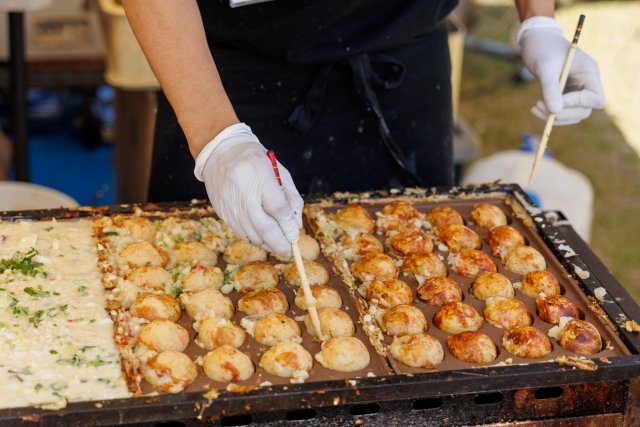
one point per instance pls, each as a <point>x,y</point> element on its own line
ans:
<point>369,120</point>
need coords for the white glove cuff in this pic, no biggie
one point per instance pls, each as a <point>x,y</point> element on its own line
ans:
<point>536,22</point>
<point>227,136</point>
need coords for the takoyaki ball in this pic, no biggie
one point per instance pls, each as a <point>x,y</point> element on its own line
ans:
<point>140,228</point>
<point>206,303</point>
<point>151,278</point>
<point>471,263</point>
<point>403,319</point>
<point>325,296</point>
<point>201,277</point>
<point>356,246</point>
<point>397,215</point>
<point>410,241</point>
<point>492,284</point>
<point>287,359</point>
<point>353,219</point>
<point>503,239</point>
<point>374,266</point>
<point>241,252</point>
<point>458,237</point>
<point>455,317</point>
<point>472,347</point>
<point>524,259</point>
<point>143,253</point>
<point>156,306</point>
<point>309,247</point>
<point>580,336</point>
<point>158,336</point>
<point>343,354</point>
<point>443,215</point>
<point>170,371</point>
<point>227,364</point>
<point>507,313</point>
<point>527,342</point>
<point>487,216</point>
<point>424,265</point>
<point>274,328</point>
<point>194,253</point>
<point>417,350</point>
<point>439,290</point>
<point>388,293</point>
<point>255,276</point>
<point>261,303</point>
<point>317,274</point>
<point>540,281</point>
<point>214,242</point>
<point>214,332</point>
<point>333,322</point>
<point>552,307</point>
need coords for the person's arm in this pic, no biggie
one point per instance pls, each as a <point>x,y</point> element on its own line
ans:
<point>529,8</point>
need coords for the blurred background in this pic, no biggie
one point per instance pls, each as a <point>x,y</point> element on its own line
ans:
<point>90,111</point>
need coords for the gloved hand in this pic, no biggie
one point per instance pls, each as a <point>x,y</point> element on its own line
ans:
<point>245,193</point>
<point>544,49</point>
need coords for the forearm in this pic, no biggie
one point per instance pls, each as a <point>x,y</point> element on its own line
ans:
<point>529,8</point>
<point>172,37</point>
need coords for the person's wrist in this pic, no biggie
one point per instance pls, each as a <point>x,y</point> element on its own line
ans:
<point>535,23</point>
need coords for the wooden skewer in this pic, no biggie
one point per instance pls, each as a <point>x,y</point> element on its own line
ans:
<point>295,250</point>
<point>552,117</point>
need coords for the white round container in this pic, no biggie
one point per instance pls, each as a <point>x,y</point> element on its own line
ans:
<point>18,196</point>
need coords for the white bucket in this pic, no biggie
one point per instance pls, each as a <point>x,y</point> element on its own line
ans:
<point>17,196</point>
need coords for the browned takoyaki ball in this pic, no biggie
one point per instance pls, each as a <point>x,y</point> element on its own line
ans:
<point>552,307</point>
<point>503,239</point>
<point>375,266</point>
<point>144,254</point>
<point>201,277</point>
<point>214,332</point>
<point>151,278</point>
<point>140,228</point>
<point>439,290</point>
<point>274,328</point>
<point>156,306</point>
<point>580,336</point>
<point>261,303</point>
<point>158,336</point>
<point>417,350</point>
<point>397,215</point>
<point>540,281</point>
<point>472,347</point>
<point>309,247</point>
<point>241,252</point>
<point>226,364</point>
<point>507,313</point>
<point>287,359</point>
<point>333,322</point>
<point>527,342</point>
<point>471,263</point>
<point>488,216</point>
<point>343,354</point>
<point>455,317</point>
<point>325,296</point>
<point>317,274</point>
<point>358,245</point>
<point>403,319</point>
<point>524,259</point>
<point>424,265</point>
<point>388,293</point>
<point>170,371</point>
<point>193,253</point>
<point>354,219</point>
<point>207,302</point>
<point>443,215</point>
<point>255,276</point>
<point>410,241</point>
<point>492,284</point>
<point>458,237</point>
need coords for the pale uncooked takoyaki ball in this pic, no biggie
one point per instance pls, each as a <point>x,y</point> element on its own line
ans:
<point>309,247</point>
<point>417,350</point>
<point>214,332</point>
<point>503,239</point>
<point>580,336</point>
<point>287,359</point>
<point>201,277</point>
<point>409,241</point>
<point>241,252</point>
<point>158,336</point>
<point>170,371</point>
<point>143,253</point>
<point>227,364</point>
<point>458,237</point>
<point>358,245</point>
<point>388,293</point>
<point>492,284</point>
<point>397,215</point>
<point>403,319</point>
<point>443,215</point>
<point>455,317</point>
<point>140,228</point>
<point>261,303</point>
<point>255,276</point>
<point>424,265</point>
<point>524,259</point>
<point>343,354</point>
<point>471,263</point>
<point>472,347</point>
<point>317,274</point>
<point>353,219</point>
<point>488,216</point>
<point>507,313</point>
<point>325,296</point>
<point>539,282</point>
<point>439,290</point>
<point>156,306</point>
<point>333,322</point>
<point>527,342</point>
<point>274,328</point>
<point>206,303</point>
<point>193,253</point>
<point>150,278</point>
<point>552,307</point>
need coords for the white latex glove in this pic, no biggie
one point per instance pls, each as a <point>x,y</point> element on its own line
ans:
<point>544,49</point>
<point>245,193</point>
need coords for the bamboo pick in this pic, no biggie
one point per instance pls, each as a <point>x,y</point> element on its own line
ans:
<point>552,117</point>
<point>295,250</point>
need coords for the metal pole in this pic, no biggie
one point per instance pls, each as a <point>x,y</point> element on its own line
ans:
<point>18,79</point>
